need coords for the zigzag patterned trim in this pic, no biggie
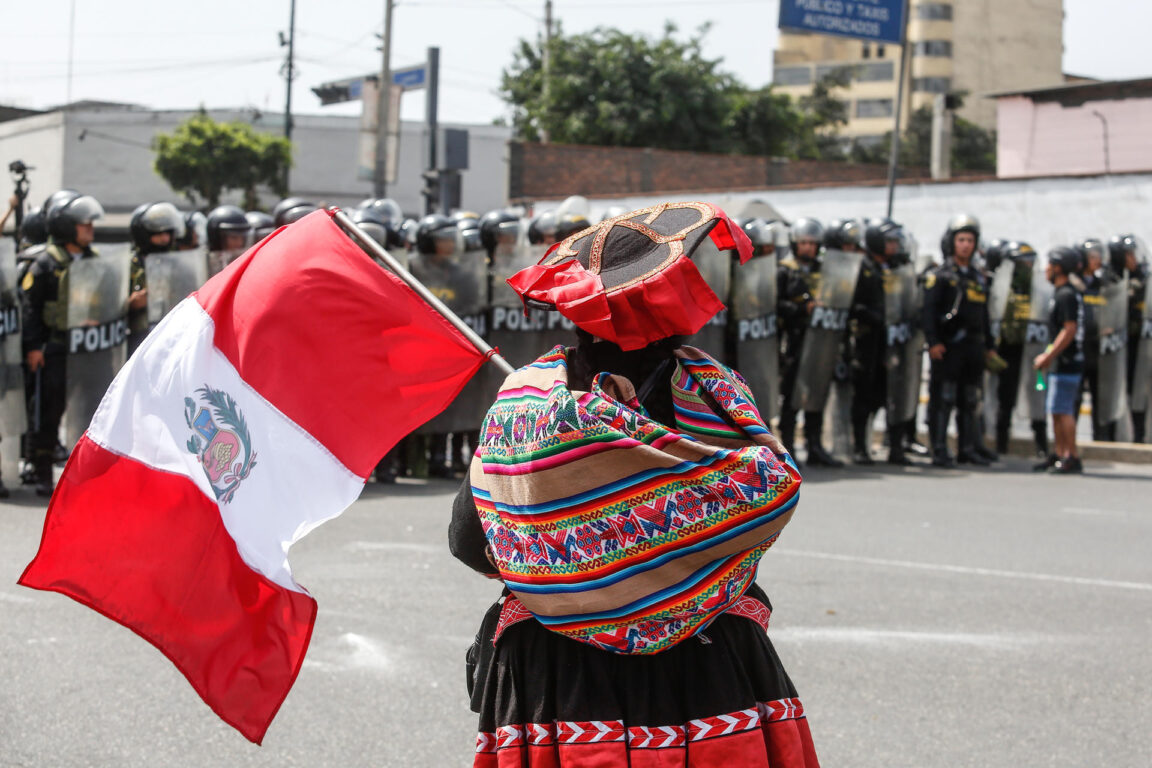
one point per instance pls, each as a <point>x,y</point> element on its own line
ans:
<point>639,737</point>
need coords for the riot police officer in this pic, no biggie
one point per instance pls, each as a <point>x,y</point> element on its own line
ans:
<point>262,225</point>
<point>1124,254</point>
<point>844,235</point>
<point>798,281</point>
<point>292,209</point>
<point>542,228</point>
<point>152,228</point>
<point>959,338</point>
<point>71,232</point>
<point>868,341</point>
<point>195,232</point>
<point>1095,276</point>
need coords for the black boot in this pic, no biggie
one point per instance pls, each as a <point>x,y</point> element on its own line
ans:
<point>786,431</point>
<point>1002,429</point>
<point>817,456</point>
<point>1040,437</point>
<point>896,453</point>
<point>938,418</point>
<point>1138,418</point>
<point>966,439</point>
<point>860,453</point>
<point>45,483</point>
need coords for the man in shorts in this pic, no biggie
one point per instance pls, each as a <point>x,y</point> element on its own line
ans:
<point>1064,358</point>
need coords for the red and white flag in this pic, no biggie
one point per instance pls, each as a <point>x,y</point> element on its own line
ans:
<point>252,414</point>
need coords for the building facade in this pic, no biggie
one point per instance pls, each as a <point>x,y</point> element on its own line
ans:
<point>975,47</point>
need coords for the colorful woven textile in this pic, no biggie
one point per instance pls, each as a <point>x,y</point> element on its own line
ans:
<point>612,528</point>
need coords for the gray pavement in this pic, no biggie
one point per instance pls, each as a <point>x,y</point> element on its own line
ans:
<point>928,618</point>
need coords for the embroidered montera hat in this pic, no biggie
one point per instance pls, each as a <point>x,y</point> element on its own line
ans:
<point>630,279</point>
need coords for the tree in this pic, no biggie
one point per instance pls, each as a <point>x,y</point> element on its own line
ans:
<point>610,88</point>
<point>823,116</point>
<point>973,148</point>
<point>202,158</point>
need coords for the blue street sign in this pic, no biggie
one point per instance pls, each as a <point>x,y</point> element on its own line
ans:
<point>411,77</point>
<point>878,20</point>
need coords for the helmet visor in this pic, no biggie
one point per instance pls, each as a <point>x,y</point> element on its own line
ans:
<point>85,209</point>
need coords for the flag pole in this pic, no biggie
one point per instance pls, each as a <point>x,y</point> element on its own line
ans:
<point>365,240</point>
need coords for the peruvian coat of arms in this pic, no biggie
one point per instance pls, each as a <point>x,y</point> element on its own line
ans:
<point>220,438</point>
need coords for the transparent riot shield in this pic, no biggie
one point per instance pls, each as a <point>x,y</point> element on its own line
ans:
<point>459,280</point>
<point>218,260</point>
<point>12,411</point>
<point>827,327</point>
<point>1036,338</point>
<point>97,330</point>
<point>904,343</point>
<point>753,308</point>
<point>522,337</point>
<point>715,266</point>
<point>1142,370</point>
<point>171,278</point>
<point>998,295</point>
<point>1112,364</point>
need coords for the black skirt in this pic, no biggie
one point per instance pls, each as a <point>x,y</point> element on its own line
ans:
<point>720,698</point>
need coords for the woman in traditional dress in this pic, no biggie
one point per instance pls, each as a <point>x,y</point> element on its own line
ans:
<point>624,491</point>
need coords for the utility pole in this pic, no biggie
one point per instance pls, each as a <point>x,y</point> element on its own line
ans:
<point>289,75</point>
<point>383,106</point>
<point>1107,159</point>
<point>546,66</point>
<point>894,149</point>
<point>431,121</point>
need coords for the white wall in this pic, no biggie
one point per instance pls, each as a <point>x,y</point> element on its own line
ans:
<point>1045,212</point>
<point>39,142</point>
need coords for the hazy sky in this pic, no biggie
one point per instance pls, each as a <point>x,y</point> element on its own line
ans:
<point>171,55</point>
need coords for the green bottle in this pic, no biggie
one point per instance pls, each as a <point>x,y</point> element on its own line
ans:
<point>1041,385</point>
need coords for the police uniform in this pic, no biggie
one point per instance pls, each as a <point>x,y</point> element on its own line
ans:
<point>1136,282</point>
<point>1010,347</point>
<point>45,288</point>
<point>956,315</point>
<point>867,343</point>
<point>137,316</point>
<point>1093,284</point>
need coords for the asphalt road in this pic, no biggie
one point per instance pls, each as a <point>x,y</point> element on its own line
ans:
<point>928,618</point>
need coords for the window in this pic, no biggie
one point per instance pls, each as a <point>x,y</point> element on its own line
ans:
<point>874,108</point>
<point>879,51</point>
<point>934,11</point>
<point>877,71</point>
<point>866,51</point>
<point>792,76</point>
<point>933,48</point>
<point>932,84</point>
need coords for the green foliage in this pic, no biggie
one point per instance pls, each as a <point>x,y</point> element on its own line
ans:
<point>973,148</point>
<point>610,88</point>
<point>202,158</point>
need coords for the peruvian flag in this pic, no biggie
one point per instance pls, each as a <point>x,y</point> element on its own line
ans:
<point>247,418</point>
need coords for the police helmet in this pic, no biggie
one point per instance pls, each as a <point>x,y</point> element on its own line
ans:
<point>1092,246</point>
<point>569,225</point>
<point>497,227</point>
<point>225,219</point>
<point>879,232</point>
<point>33,228</point>
<point>1068,259</point>
<point>385,208</point>
<point>153,219</point>
<point>542,228</point>
<point>63,217</point>
<point>1119,246</point>
<point>843,232</point>
<point>262,224</point>
<point>961,222</point>
<point>195,231</point>
<point>806,229</point>
<point>469,225</point>
<point>760,234</point>
<point>373,222</point>
<point>613,211</point>
<point>57,197</point>
<point>291,209</point>
<point>994,253</point>
<point>434,228</point>
<point>1020,251</point>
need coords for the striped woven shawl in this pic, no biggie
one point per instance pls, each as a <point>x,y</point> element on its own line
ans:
<point>612,528</point>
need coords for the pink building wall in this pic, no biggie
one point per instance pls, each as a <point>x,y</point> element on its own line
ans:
<point>1046,138</point>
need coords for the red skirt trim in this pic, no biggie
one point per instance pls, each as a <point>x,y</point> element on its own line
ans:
<point>773,734</point>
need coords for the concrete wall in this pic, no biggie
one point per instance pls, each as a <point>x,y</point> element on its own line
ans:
<point>1049,138</point>
<point>114,159</point>
<point>1045,212</point>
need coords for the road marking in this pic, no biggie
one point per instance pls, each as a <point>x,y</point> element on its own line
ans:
<point>1093,511</point>
<point>864,636</point>
<point>969,570</point>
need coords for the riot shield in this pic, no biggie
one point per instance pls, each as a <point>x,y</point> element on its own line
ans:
<point>753,308</point>
<point>171,277</point>
<point>522,338</point>
<point>715,266</point>
<point>827,327</point>
<point>1142,370</point>
<point>905,342</point>
<point>217,260</point>
<point>1036,339</point>
<point>97,329</point>
<point>998,295</point>
<point>458,280</point>
<point>12,410</point>
<point>1111,315</point>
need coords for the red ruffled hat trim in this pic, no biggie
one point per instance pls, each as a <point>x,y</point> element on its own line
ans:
<point>673,301</point>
